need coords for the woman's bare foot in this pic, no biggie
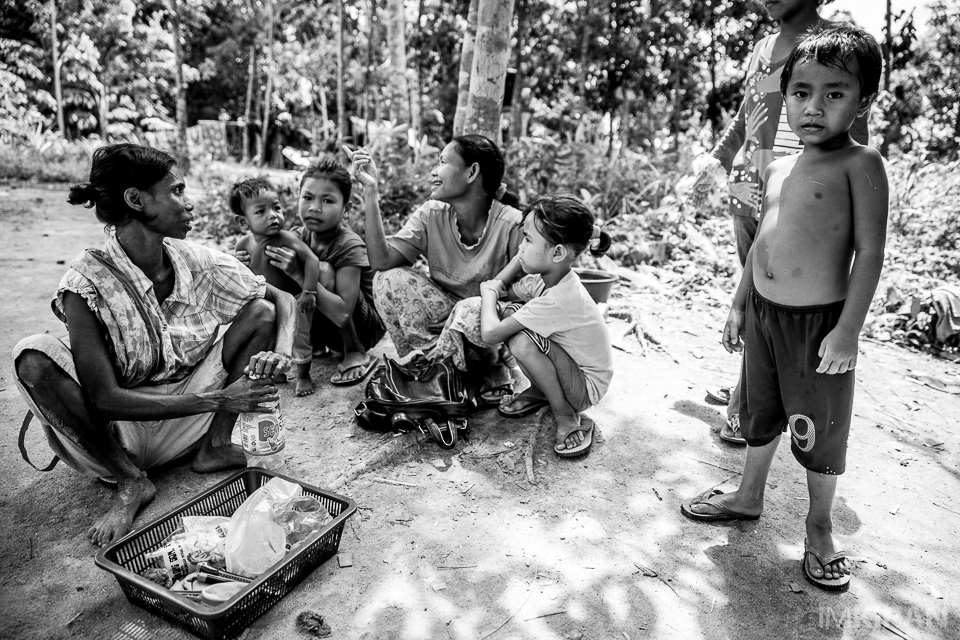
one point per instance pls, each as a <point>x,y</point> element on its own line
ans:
<point>132,494</point>
<point>215,458</point>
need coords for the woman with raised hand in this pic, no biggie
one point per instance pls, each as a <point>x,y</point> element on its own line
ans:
<point>145,378</point>
<point>468,231</point>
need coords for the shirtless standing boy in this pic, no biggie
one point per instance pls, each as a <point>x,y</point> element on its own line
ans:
<point>806,289</point>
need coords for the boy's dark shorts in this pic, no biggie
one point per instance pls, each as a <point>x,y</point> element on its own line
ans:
<point>782,389</point>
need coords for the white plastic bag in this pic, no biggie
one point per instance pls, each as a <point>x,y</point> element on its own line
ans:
<point>255,542</point>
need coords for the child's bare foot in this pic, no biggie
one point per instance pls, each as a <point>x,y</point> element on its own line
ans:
<point>304,386</point>
<point>568,434</point>
<point>214,458</point>
<point>132,494</point>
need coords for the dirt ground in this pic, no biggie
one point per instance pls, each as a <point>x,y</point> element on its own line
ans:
<point>460,544</point>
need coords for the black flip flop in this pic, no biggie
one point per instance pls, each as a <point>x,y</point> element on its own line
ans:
<point>528,406</point>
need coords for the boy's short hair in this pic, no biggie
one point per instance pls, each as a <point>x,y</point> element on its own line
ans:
<point>333,171</point>
<point>249,188</point>
<point>836,47</point>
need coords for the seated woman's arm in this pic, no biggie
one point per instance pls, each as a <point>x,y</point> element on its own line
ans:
<point>110,401</point>
<point>382,255</point>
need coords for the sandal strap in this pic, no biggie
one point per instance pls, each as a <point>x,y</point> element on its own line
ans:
<point>21,443</point>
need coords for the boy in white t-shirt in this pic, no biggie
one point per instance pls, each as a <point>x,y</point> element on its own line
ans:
<point>558,336</point>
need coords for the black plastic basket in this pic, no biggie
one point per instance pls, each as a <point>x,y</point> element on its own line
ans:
<point>126,558</point>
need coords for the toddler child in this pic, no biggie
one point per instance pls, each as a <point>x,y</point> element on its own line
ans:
<point>806,288</point>
<point>256,205</point>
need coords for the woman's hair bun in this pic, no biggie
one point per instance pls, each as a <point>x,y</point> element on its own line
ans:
<point>83,193</point>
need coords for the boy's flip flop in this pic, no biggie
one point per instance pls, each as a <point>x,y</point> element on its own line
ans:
<point>719,395</point>
<point>722,512</point>
<point>835,584</point>
<point>730,432</point>
<point>365,367</point>
<point>586,428</point>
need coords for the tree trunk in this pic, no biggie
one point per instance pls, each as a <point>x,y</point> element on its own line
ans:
<point>888,36</point>
<point>585,36</point>
<point>103,107</point>
<point>397,44</point>
<point>183,148</point>
<point>466,68</point>
<point>416,87</point>
<point>341,101</point>
<point>516,101</point>
<point>492,52</point>
<point>248,106</point>
<point>268,92</point>
<point>57,86</point>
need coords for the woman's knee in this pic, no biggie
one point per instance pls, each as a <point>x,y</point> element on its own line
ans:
<point>34,367</point>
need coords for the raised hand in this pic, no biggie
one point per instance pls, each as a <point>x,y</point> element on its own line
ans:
<point>362,167</point>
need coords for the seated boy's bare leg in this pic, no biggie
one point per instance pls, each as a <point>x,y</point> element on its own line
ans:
<point>748,498</point>
<point>542,373</point>
<point>819,525</point>
<point>66,409</point>
<point>252,331</point>
<point>304,382</point>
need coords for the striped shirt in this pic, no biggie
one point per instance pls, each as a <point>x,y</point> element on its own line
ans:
<point>210,289</point>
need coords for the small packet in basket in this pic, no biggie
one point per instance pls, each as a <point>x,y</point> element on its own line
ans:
<point>301,517</point>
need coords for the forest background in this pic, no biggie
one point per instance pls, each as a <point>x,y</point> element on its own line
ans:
<point>609,99</point>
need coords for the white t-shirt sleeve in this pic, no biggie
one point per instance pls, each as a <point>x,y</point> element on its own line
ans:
<point>543,316</point>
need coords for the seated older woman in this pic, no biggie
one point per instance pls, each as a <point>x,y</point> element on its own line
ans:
<point>146,378</point>
<point>468,231</point>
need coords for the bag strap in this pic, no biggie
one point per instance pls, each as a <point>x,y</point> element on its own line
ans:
<point>23,448</point>
<point>434,430</point>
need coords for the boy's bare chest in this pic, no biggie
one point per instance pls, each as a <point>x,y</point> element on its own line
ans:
<point>814,197</point>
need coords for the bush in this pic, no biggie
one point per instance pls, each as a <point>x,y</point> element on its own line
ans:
<point>21,162</point>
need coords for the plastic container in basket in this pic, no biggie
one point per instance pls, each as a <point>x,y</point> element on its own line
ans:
<point>126,558</point>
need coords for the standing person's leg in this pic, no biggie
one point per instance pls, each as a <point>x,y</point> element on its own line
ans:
<point>412,307</point>
<point>745,231</point>
<point>822,557</point>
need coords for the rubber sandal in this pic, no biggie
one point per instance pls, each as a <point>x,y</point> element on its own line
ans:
<point>719,395</point>
<point>527,406</point>
<point>723,513</point>
<point>366,368</point>
<point>836,584</point>
<point>731,430</point>
<point>586,427</point>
